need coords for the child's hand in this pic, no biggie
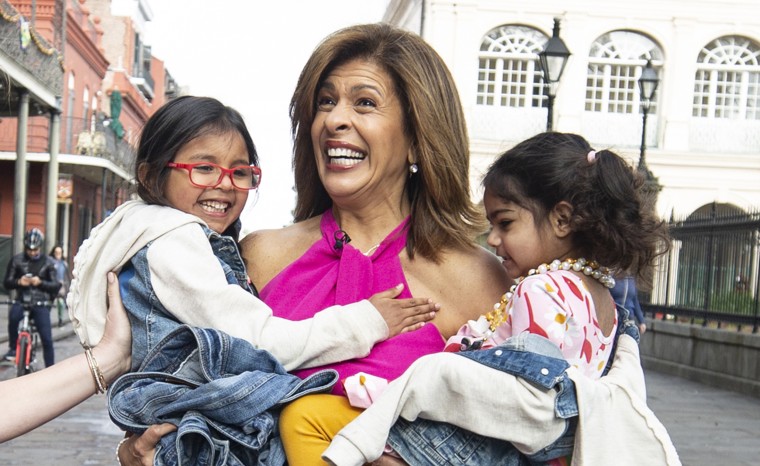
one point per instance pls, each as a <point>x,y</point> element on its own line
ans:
<point>403,315</point>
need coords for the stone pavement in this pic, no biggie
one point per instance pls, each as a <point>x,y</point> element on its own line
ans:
<point>708,425</point>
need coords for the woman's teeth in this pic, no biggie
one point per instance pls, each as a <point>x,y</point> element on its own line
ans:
<point>344,157</point>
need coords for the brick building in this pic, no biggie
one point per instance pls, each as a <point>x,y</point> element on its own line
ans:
<point>74,99</point>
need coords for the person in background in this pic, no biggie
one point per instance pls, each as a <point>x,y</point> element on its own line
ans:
<point>626,295</point>
<point>32,274</point>
<point>64,278</point>
<point>44,395</point>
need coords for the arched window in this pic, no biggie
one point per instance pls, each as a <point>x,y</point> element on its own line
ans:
<point>727,82</point>
<point>508,72</point>
<point>614,67</point>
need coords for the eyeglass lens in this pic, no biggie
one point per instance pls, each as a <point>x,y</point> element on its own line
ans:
<point>211,175</point>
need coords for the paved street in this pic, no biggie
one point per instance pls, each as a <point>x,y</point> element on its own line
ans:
<point>709,426</point>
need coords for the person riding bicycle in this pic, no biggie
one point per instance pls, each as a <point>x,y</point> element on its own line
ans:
<point>33,275</point>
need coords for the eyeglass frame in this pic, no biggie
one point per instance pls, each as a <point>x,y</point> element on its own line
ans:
<point>225,172</point>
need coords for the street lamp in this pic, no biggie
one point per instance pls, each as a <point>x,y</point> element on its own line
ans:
<point>648,82</point>
<point>552,61</point>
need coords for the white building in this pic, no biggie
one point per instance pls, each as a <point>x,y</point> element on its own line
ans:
<point>703,129</point>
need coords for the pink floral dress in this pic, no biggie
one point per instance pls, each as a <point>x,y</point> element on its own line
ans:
<point>556,305</point>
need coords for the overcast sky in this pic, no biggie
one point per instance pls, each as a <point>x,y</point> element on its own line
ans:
<point>248,54</point>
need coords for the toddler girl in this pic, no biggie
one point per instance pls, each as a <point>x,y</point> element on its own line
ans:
<point>563,216</point>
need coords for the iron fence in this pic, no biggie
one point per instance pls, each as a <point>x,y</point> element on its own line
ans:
<point>712,273</point>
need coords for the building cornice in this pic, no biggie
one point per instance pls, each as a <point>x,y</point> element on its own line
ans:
<point>82,42</point>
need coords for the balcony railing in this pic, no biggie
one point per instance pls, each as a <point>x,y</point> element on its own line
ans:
<point>144,82</point>
<point>96,139</point>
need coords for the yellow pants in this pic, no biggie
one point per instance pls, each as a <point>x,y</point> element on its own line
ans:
<point>307,426</point>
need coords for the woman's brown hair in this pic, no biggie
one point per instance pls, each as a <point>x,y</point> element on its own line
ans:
<point>442,212</point>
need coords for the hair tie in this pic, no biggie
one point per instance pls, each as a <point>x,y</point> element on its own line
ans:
<point>591,157</point>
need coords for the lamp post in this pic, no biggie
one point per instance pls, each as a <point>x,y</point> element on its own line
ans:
<point>648,82</point>
<point>552,61</point>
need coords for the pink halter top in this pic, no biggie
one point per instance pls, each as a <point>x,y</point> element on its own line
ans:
<point>325,276</point>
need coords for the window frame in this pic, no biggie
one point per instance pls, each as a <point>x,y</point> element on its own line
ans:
<point>727,79</point>
<point>508,70</point>
<point>615,63</point>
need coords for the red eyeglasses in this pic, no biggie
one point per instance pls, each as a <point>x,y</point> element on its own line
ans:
<point>210,175</point>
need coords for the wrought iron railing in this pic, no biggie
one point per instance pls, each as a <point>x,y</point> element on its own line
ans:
<point>712,273</point>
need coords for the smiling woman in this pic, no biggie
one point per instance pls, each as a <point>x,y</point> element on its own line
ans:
<point>357,135</point>
<point>381,159</point>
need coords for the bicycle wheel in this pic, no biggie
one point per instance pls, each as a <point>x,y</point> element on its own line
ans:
<point>21,356</point>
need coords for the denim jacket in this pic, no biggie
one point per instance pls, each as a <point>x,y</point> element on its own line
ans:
<point>150,320</point>
<point>530,357</point>
<point>222,393</point>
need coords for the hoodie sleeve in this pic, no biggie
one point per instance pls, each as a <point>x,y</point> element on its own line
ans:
<point>190,282</point>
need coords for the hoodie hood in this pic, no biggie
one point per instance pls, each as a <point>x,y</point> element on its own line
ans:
<point>112,244</point>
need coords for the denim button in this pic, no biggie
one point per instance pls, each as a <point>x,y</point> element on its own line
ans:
<point>544,371</point>
<point>498,352</point>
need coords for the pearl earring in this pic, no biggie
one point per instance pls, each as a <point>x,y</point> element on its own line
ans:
<point>413,168</point>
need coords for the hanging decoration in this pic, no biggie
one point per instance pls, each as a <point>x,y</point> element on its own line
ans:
<point>25,34</point>
<point>115,125</point>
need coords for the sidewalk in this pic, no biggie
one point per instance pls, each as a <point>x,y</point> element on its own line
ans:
<point>707,425</point>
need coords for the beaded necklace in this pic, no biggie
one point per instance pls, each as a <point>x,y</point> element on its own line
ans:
<point>498,315</point>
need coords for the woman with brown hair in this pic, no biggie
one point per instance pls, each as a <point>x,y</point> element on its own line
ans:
<point>381,164</point>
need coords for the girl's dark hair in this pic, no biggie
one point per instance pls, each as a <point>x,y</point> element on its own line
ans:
<point>613,219</point>
<point>175,124</point>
